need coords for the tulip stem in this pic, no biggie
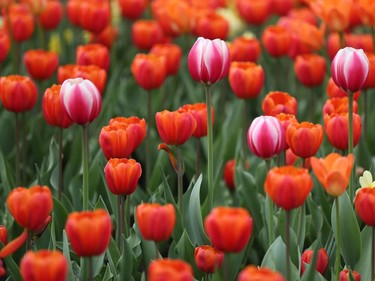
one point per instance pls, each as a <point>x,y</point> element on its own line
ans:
<point>85,166</point>
<point>245,127</point>
<point>198,159</point>
<point>269,203</point>
<point>337,263</point>
<point>60,168</point>
<point>120,223</point>
<point>156,251</point>
<point>205,276</point>
<point>17,140</point>
<point>373,254</point>
<point>365,101</point>
<point>287,244</point>
<point>350,142</point>
<point>89,269</point>
<point>148,139</point>
<point>210,148</point>
<point>180,173</point>
<point>127,215</point>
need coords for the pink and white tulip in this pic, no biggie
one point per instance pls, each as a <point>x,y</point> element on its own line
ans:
<point>266,137</point>
<point>349,69</point>
<point>208,60</point>
<point>81,100</point>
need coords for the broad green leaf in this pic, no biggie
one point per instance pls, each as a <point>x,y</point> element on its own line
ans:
<point>126,261</point>
<point>12,268</point>
<point>59,217</point>
<point>363,265</point>
<point>107,274</point>
<point>66,253</point>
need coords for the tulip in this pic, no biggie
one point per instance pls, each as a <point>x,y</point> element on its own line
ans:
<point>339,105</point>
<point>229,228</point>
<point>246,79</point>
<point>41,64</point>
<point>96,54</point>
<point>321,263</point>
<point>229,174</point>
<point>335,13</point>
<point>254,12</point>
<point>254,273</point>
<point>122,136</point>
<point>4,45</point>
<point>107,37</point>
<point>211,25</point>
<point>44,265</point>
<point>245,48</point>
<point>94,15</point>
<point>91,72</point>
<point>310,69</point>
<point>168,269</point>
<point>266,137</point>
<point>208,259</point>
<point>336,128</point>
<point>276,102</point>
<point>276,40</point>
<point>365,199</point>
<point>132,9</point>
<point>3,271</point>
<point>335,92</point>
<point>367,8</point>
<point>344,275</point>
<point>286,119</point>
<point>357,41</point>
<point>21,22</point>
<point>172,54</point>
<point>51,14</point>
<point>89,232</point>
<point>370,81</point>
<point>304,138</point>
<point>147,33</point>
<point>304,14</point>
<point>3,235</point>
<point>73,9</point>
<point>155,222</point>
<point>282,7</point>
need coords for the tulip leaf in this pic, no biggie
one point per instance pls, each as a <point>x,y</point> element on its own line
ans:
<point>7,182</point>
<point>126,261</point>
<point>66,253</point>
<point>97,263</point>
<point>59,217</point>
<point>349,230</point>
<point>113,255</point>
<point>316,215</point>
<point>12,268</point>
<point>363,265</point>
<point>107,274</point>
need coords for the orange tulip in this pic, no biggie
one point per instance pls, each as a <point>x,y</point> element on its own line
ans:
<point>172,54</point>
<point>367,12</point>
<point>96,54</point>
<point>358,41</point>
<point>335,92</point>
<point>51,14</point>
<point>245,48</point>
<point>199,112</point>
<point>370,81</point>
<point>276,40</point>
<point>310,69</point>
<point>254,12</point>
<point>147,33</point>
<point>338,105</point>
<point>41,64</point>
<point>122,175</point>
<point>132,9</point>
<point>304,138</point>
<point>149,70</point>
<point>175,127</point>
<point>210,25</point>
<point>208,259</point>
<point>107,37</point>
<point>44,265</point>
<point>168,269</point>
<point>229,228</point>
<point>288,186</point>
<point>89,232</point>
<point>246,79</point>
<point>122,136</point>
<point>31,207</point>
<point>286,119</point>
<point>254,273</point>
<point>155,222</point>
<point>21,22</point>
<point>305,14</point>
<point>52,108</point>
<point>336,128</point>
<point>18,93</point>
<point>333,172</point>
<point>279,102</point>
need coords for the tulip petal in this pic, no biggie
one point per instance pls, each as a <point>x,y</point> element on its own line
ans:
<point>13,245</point>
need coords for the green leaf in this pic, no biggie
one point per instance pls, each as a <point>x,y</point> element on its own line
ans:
<point>107,274</point>
<point>66,253</point>
<point>59,217</point>
<point>363,265</point>
<point>113,255</point>
<point>12,268</point>
<point>126,261</point>
<point>349,230</point>
<point>97,263</point>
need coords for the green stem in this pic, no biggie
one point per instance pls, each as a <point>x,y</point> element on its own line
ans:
<point>198,159</point>
<point>23,148</point>
<point>269,203</point>
<point>365,101</point>
<point>245,126</point>
<point>350,142</point>
<point>180,174</point>
<point>148,139</point>
<point>120,223</point>
<point>337,263</point>
<point>85,167</point>
<point>40,32</point>
<point>127,215</point>
<point>28,242</point>
<point>302,210</point>
<point>210,161</point>
<point>60,168</point>
<point>156,251</point>
<point>90,276</point>
<point>18,156</point>
<point>373,254</point>
<point>205,276</point>
<point>287,244</point>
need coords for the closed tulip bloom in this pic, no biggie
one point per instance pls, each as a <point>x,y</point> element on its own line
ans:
<point>81,100</point>
<point>229,174</point>
<point>96,54</point>
<point>357,41</point>
<point>107,37</point>
<point>333,172</point>
<point>18,93</point>
<point>246,79</point>
<point>286,119</point>
<point>282,7</point>
<point>3,235</point>
<point>89,232</point>
<point>228,228</point>
<point>245,48</point>
<point>344,275</point>
<point>211,25</point>
<point>254,12</point>
<point>44,265</point>
<point>94,15</point>
<point>254,273</point>
<point>208,60</point>
<point>199,112</point>
<point>122,175</point>
<point>175,127</point>
<point>172,54</point>
<point>321,263</point>
<point>266,137</point>
<point>122,136</point>
<point>208,259</point>
<point>370,81</point>
<point>304,138</point>
<point>73,11</point>
<point>155,222</point>
<point>51,14</point>
<point>147,33</point>
<point>305,14</point>
<point>277,102</point>
<point>31,207</point>
<point>40,64</point>
<point>132,9</point>
<point>335,92</point>
<point>338,105</point>
<point>364,200</point>
<point>21,22</point>
<point>91,72</point>
<point>149,70</point>
<point>367,11</point>
<point>4,45</point>
<point>168,269</point>
<point>310,69</point>
<point>336,128</point>
<point>53,112</point>
<point>288,186</point>
<point>276,40</point>
<point>350,69</point>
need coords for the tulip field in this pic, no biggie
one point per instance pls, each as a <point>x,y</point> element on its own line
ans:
<point>181,140</point>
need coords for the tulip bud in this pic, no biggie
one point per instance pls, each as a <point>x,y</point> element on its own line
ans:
<point>276,102</point>
<point>96,54</point>
<point>208,259</point>
<point>3,235</point>
<point>199,112</point>
<point>168,269</point>
<point>344,275</point>
<point>321,263</point>
<point>310,69</point>
<point>172,54</point>
<point>229,174</point>
<point>51,14</point>
<point>41,64</point>
<point>253,273</point>
<point>132,9</point>
<point>349,69</point>
<point>364,203</point>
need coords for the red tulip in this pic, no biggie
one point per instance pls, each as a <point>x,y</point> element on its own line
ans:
<point>208,259</point>
<point>41,64</point>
